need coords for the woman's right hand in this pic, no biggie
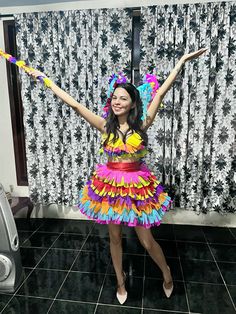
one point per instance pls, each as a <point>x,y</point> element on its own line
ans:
<point>35,73</point>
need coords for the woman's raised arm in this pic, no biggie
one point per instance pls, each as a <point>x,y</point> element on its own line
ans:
<point>154,106</point>
<point>93,119</point>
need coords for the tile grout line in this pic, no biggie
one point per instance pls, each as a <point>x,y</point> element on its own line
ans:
<point>234,236</point>
<point>185,288</point>
<point>120,306</point>
<point>33,232</point>
<point>193,242</point>
<point>196,242</point>
<point>144,268</point>
<point>102,286</point>
<point>68,272</point>
<point>169,311</point>
<point>65,249</point>
<point>221,276</point>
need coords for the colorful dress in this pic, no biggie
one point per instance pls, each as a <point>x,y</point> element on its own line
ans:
<point>122,192</point>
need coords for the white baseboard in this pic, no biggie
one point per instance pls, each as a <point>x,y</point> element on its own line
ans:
<point>176,216</point>
<point>186,217</point>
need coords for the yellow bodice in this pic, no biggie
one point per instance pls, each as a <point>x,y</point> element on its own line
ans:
<point>118,150</point>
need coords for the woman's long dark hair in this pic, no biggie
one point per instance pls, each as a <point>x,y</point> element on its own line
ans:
<point>134,118</point>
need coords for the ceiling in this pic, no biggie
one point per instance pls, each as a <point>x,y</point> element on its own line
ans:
<point>15,3</point>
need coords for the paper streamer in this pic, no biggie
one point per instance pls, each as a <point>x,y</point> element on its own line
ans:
<point>22,65</point>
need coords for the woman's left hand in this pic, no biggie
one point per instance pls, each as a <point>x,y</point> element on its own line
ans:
<point>193,55</point>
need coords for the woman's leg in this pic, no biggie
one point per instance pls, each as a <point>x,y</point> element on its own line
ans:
<point>155,251</point>
<point>115,234</point>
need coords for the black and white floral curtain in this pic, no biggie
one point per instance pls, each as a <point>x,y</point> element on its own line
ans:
<point>193,139</point>
<point>78,50</point>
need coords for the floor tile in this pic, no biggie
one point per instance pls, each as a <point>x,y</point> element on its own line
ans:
<point>100,230</point>
<point>201,271</point>
<point>145,311</point>
<point>153,271</point>
<point>27,305</point>
<point>4,299</point>
<point>23,224</point>
<point>169,248</point>
<point>78,226</point>
<point>41,239</point>
<point>70,307</point>
<point>42,283</point>
<point>129,232</point>
<point>233,230</point>
<point>134,287</point>
<point>209,299</point>
<point>70,241</point>
<point>104,309</point>
<point>163,232</point>
<point>97,243</point>
<point>24,235</point>
<point>31,256</point>
<point>58,259</point>
<point>219,235</point>
<point>224,253</point>
<point>155,298</point>
<point>132,246</point>
<point>189,233</point>
<point>232,291</point>
<point>133,265</point>
<point>81,287</point>
<point>228,271</point>
<point>25,274</point>
<point>53,225</point>
<point>199,251</point>
<point>96,262</point>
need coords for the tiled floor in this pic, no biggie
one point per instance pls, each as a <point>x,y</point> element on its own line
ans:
<point>67,269</point>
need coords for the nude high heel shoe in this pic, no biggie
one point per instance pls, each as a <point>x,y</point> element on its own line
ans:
<point>122,297</point>
<point>169,291</point>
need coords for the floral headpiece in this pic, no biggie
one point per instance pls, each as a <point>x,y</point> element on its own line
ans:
<point>147,91</point>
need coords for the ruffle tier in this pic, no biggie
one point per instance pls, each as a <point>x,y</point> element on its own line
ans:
<point>133,198</point>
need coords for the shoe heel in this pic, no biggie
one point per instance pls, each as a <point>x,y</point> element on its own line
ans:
<point>122,297</point>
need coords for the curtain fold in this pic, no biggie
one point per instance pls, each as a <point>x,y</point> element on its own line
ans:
<point>193,139</point>
<point>78,50</point>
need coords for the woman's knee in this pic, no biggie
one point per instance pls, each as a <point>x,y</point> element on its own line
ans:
<point>147,244</point>
<point>115,239</point>
<point>145,237</point>
<point>115,236</point>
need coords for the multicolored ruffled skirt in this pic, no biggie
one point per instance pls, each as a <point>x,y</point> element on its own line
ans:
<point>124,193</point>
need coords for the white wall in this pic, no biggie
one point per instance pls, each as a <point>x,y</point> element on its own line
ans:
<point>7,161</point>
<point>7,158</point>
<point>91,4</point>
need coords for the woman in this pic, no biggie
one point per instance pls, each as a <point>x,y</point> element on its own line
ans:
<point>124,191</point>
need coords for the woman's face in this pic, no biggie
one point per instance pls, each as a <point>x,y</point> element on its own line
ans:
<point>121,102</point>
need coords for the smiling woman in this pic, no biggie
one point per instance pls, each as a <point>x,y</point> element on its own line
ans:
<point>121,103</point>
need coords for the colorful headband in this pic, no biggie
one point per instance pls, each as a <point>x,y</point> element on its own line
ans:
<point>21,64</point>
<point>147,91</point>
